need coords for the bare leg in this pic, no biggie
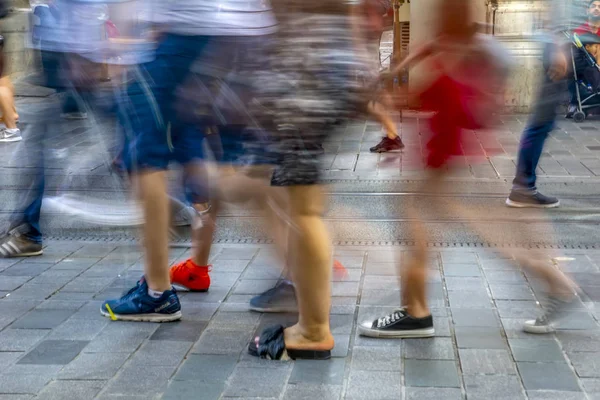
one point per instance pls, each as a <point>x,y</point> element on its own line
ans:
<point>379,112</point>
<point>155,203</point>
<point>311,270</point>
<point>7,107</point>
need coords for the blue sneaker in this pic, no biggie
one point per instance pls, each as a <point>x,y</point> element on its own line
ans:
<point>137,305</point>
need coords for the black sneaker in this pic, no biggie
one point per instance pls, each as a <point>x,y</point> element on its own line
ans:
<point>398,324</point>
<point>554,309</point>
<point>279,299</point>
<point>13,244</point>
<point>387,145</point>
<point>531,200</point>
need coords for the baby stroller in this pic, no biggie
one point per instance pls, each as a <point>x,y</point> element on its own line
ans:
<point>585,91</point>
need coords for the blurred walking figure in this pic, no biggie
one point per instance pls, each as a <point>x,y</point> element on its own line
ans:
<point>564,16</point>
<point>10,132</point>
<point>468,73</point>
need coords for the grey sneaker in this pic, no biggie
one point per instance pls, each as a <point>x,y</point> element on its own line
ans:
<point>10,135</point>
<point>533,199</point>
<point>14,244</point>
<point>279,299</point>
<point>554,309</point>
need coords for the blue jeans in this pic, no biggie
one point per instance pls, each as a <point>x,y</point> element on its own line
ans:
<point>538,128</point>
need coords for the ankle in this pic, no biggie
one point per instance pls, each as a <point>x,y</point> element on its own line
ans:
<point>418,312</point>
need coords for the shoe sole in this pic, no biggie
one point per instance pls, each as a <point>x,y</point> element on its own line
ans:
<point>183,288</point>
<point>274,310</point>
<point>144,317</point>
<point>386,151</point>
<point>11,140</point>
<point>417,333</point>
<point>28,254</point>
<point>538,330</point>
<point>516,204</point>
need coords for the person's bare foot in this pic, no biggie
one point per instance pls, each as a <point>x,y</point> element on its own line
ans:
<point>296,340</point>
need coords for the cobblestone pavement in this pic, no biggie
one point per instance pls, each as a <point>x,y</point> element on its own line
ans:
<point>54,344</point>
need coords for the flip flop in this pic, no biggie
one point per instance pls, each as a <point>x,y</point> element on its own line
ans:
<point>270,345</point>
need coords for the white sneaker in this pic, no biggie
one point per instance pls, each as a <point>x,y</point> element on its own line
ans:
<point>10,135</point>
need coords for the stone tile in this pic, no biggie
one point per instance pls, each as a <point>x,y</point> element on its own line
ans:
<point>256,382</point>
<point>517,309</point>
<point>16,397</point>
<point>206,368</point>
<point>232,253</point>
<point>20,339</point>
<point>363,384</point>
<point>25,269</point>
<point>579,341</point>
<point>59,390</point>
<point>592,388</point>
<point>511,292</point>
<point>417,393</point>
<point>77,329</point>
<point>342,345</point>
<point>468,337</point>
<point>429,349</point>
<point>376,358</point>
<point>493,387</point>
<point>442,326</point>
<point>465,283</point>
<point>199,311</point>
<point>93,366</point>
<point>60,305</point>
<point>178,390</point>
<point>474,317</point>
<point>380,297</point>
<point>548,376</point>
<point>42,319</point>
<point>329,372</point>
<point>10,283</point>
<point>485,361</point>
<point>218,341</point>
<point>555,395</point>
<point>8,358</point>
<point>462,270</point>
<point>536,350</point>
<point>465,299</point>
<point>345,289</point>
<point>121,337</point>
<point>381,269</point>
<point>133,380</point>
<point>307,391</point>
<point>20,383</point>
<point>54,352</point>
<point>431,373</point>
<point>185,331</point>
<point>161,353</point>
<point>234,320</point>
<point>577,320</point>
<point>504,277</point>
<point>587,365</point>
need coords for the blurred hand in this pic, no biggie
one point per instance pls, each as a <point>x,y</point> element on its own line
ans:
<point>558,66</point>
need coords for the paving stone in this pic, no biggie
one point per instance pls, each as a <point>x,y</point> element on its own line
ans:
<point>469,337</point>
<point>25,269</point>
<point>376,358</point>
<point>93,366</point>
<point>505,277</point>
<point>592,388</point>
<point>16,397</point>
<point>536,350</point>
<point>10,283</point>
<point>417,393</point>
<point>178,390</point>
<point>20,339</point>
<point>511,292</point>
<point>493,387</point>
<point>60,390</point>
<point>234,320</point>
<point>218,341</point>
<point>133,380</point>
<point>206,368</point>
<point>474,317</point>
<point>121,337</point>
<point>34,292</point>
<point>342,345</point>
<point>307,391</point>
<point>381,269</point>
<point>486,361</point>
<point>256,382</point>
<point>345,289</point>
<point>517,309</point>
<point>465,299</point>
<point>199,311</point>
<point>454,283</point>
<point>579,341</point>
<point>380,297</point>
<point>19,383</point>
<point>185,331</point>
<point>462,270</point>
<point>8,358</point>
<point>54,352</point>
<point>429,349</point>
<point>431,373</point>
<point>77,329</point>
<point>587,365</point>
<point>442,326</point>
<point>555,395</point>
<point>42,319</point>
<point>161,353</point>
<point>548,376</point>
<point>329,372</point>
<point>60,305</point>
<point>363,384</point>
<point>577,320</point>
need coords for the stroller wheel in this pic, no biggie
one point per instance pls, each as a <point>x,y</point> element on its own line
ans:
<point>579,116</point>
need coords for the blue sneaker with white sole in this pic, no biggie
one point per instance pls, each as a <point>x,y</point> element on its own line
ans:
<point>138,305</point>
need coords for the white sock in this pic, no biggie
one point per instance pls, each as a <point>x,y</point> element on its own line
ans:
<point>154,294</point>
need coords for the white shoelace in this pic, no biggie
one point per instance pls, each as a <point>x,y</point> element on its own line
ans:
<point>389,319</point>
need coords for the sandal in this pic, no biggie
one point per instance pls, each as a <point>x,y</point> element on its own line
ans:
<point>270,345</point>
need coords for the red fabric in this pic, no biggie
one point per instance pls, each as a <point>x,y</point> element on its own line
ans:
<point>111,30</point>
<point>586,28</point>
